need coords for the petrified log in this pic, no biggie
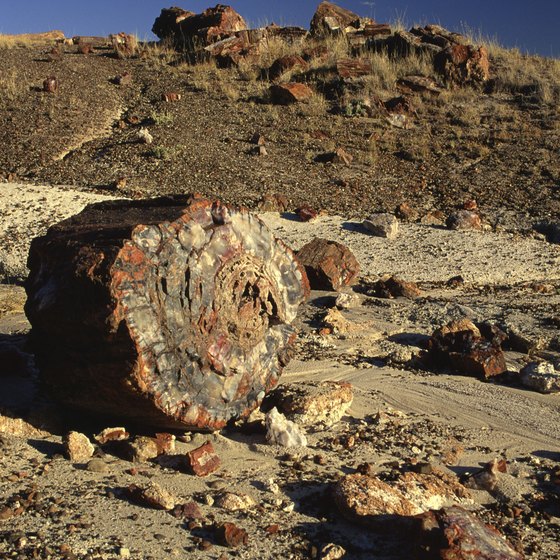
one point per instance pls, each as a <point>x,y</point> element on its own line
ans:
<point>173,311</point>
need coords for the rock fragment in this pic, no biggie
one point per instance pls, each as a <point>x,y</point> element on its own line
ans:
<point>346,300</point>
<point>283,432</point>
<point>171,96</point>
<point>306,214</point>
<point>111,434</point>
<point>329,265</point>
<point>19,427</point>
<point>464,220</point>
<point>394,286</point>
<point>488,477</point>
<point>460,346</point>
<point>229,534</point>
<point>312,405</point>
<point>144,136</point>
<point>289,93</point>
<point>382,225</point>
<point>77,446</point>
<point>286,64</point>
<point>273,203</point>
<point>152,495</point>
<point>463,64</point>
<point>455,533</point>
<point>97,465</point>
<point>541,377</point>
<point>203,460</point>
<point>188,510</point>
<point>331,19</point>
<point>368,500</point>
<point>142,449</point>
<point>234,502</point>
<point>332,551</point>
<point>406,213</point>
<point>50,85</point>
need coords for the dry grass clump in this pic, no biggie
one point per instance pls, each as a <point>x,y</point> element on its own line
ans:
<point>527,76</point>
<point>158,54</point>
<point>203,76</point>
<point>9,89</point>
<point>386,70</point>
<point>316,106</point>
<point>28,39</point>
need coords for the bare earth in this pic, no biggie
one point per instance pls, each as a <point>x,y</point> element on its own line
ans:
<point>451,421</point>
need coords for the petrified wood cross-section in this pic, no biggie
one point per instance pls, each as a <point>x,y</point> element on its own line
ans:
<point>173,311</point>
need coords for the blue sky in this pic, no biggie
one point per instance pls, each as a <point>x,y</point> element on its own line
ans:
<point>531,26</point>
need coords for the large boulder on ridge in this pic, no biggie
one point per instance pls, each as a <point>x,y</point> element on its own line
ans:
<point>188,29</point>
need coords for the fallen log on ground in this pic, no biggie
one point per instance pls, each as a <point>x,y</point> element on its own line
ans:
<point>173,312</point>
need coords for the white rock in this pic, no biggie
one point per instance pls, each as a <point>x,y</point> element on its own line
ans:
<point>332,552</point>
<point>541,376</point>
<point>280,431</point>
<point>235,502</point>
<point>145,136</point>
<point>347,300</point>
<point>382,225</point>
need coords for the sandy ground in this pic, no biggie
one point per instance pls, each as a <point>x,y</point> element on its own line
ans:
<point>89,512</point>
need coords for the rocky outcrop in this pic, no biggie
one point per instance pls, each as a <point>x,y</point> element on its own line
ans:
<point>331,19</point>
<point>186,29</point>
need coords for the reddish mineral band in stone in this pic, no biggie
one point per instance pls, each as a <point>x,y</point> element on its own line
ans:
<point>175,312</point>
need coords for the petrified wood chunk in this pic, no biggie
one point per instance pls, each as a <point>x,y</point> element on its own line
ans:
<point>329,265</point>
<point>173,311</point>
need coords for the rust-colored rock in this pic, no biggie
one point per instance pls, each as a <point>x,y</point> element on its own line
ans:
<point>353,67</point>
<point>289,93</point>
<point>165,443</point>
<point>50,85</point>
<point>111,434</point>
<point>406,213</point>
<point>461,346</point>
<point>167,23</point>
<point>203,460</point>
<point>174,312</point>
<point>285,64</point>
<point>329,265</point>
<point>243,45</point>
<point>305,213</point>
<point>464,220</point>
<point>331,19</point>
<point>463,64</point>
<point>85,48</point>
<point>187,30</point>
<point>229,534</point>
<point>394,286</point>
<point>454,533</point>
<point>170,96</point>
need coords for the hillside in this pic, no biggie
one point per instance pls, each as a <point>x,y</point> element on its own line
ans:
<point>494,139</point>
